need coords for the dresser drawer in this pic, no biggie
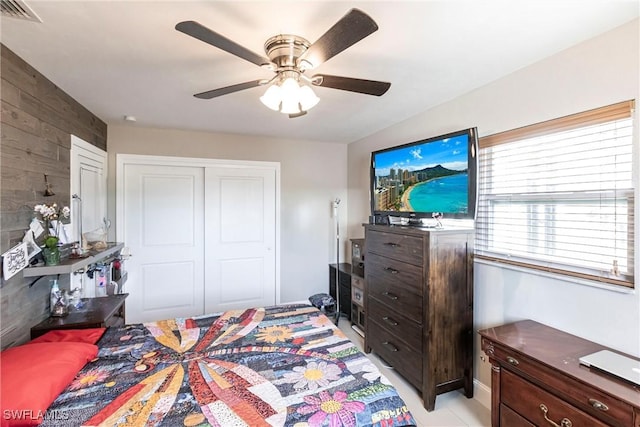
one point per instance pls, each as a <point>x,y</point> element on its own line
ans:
<point>398,325</point>
<point>396,297</point>
<point>397,246</point>
<point>396,352</point>
<point>590,400</point>
<point>400,273</point>
<point>539,406</point>
<point>509,418</point>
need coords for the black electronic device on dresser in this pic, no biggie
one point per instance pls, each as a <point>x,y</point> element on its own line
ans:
<point>419,305</point>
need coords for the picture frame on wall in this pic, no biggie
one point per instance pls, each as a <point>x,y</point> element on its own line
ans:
<point>14,260</point>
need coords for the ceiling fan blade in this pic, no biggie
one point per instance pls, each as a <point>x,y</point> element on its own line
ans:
<point>199,31</point>
<point>349,30</point>
<point>228,89</point>
<point>368,87</point>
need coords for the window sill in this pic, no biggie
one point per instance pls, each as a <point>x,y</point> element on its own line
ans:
<point>561,277</point>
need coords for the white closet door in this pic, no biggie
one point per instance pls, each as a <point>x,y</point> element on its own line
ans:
<point>240,227</point>
<point>163,226</point>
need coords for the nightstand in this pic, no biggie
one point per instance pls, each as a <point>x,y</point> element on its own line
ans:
<point>344,280</point>
<point>99,312</point>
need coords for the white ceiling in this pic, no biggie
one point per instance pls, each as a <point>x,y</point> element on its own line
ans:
<point>122,58</point>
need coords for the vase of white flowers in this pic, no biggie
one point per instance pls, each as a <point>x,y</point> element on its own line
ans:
<point>51,213</point>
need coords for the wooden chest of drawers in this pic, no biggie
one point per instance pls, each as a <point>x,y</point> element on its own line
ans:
<point>537,380</point>
<point>419,305</point>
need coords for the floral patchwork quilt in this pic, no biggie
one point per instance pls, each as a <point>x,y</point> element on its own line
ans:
<point>276,366</point>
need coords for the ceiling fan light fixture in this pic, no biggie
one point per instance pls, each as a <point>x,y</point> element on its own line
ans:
<point>290,106</point>
<point>272,97</point>
<point>308,98</point>
<point>289,89</point>
<point>288,97</point>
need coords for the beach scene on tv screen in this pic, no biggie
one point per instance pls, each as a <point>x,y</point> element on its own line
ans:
<point>429,177</point>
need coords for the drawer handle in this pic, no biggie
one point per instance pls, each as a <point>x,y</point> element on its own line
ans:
<point>394,348</point>
<point>565,422</point>
<point>598,405</point>
<point>393,245</point>
<point>390,295</point>
<point>391,270</point>
<point>513,361</point>
<point>390,321</point>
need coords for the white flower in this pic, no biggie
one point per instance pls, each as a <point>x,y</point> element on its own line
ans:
<point>313,375</point>
<point>52,212</point>
<point>372,374</point>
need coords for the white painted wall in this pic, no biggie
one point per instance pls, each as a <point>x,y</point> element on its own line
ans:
<point>313,174</point>
<point>599,72</point>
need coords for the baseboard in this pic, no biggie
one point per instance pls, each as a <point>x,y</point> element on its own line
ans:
<point>482,393</point>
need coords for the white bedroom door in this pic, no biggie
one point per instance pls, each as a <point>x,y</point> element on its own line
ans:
<point>163,210</point>
<point>240,218</point>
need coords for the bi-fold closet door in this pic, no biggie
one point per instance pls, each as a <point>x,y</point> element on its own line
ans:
<point>203,237</point>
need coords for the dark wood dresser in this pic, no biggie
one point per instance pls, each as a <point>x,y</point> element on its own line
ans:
<point>419,305</point>
<point>537,380</point>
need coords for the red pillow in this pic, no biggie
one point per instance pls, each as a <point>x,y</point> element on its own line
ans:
<point>33,375</point>
<point>89,336</point>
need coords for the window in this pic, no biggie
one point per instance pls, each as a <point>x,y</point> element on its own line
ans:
<point>558,196</point>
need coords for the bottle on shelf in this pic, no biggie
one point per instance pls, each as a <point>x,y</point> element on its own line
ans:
<point>58,302</point>
<point>101,282</point>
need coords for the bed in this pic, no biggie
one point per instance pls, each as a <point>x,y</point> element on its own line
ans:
<point>277,366</point>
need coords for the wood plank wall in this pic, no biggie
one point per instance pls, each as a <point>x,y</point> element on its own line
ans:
<point>38,119</point>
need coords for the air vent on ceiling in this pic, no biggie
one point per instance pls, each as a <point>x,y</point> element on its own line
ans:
<point>18,9</point>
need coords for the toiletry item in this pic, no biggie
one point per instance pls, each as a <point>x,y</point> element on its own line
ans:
<point>55,294</point>
<point>89,284</point>
<point>101,283</point>
<point>116,269</point>
<point>75,300</point>
<point>58,307</point>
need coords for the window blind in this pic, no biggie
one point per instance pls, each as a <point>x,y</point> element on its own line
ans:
<point>558,196</point>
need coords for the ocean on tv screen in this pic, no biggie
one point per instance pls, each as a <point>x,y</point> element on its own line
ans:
<point>446,194</point>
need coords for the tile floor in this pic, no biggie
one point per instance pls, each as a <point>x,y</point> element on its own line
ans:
<point>452,409</point>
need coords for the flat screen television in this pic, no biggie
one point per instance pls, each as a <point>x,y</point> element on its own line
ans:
<point>433,175</point>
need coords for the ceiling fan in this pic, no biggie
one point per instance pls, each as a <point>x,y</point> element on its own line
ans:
<point>290,56</point>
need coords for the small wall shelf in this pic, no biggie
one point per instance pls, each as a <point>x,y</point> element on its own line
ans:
<point>69,265</point>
